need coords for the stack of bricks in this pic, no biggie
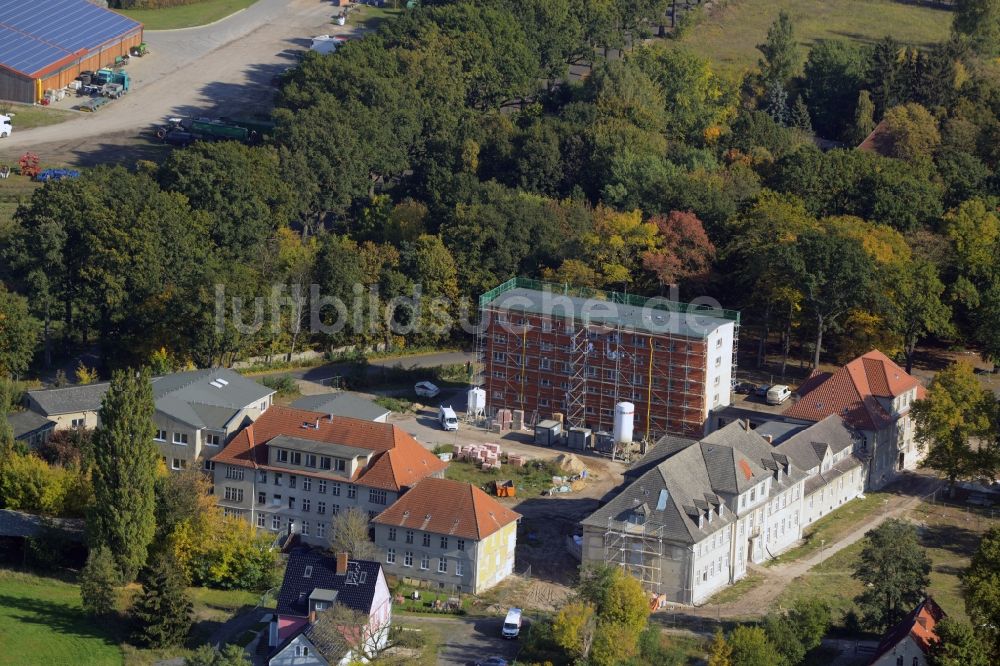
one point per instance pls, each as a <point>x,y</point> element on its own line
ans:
<point>517,461</point>
<point>486,456</point>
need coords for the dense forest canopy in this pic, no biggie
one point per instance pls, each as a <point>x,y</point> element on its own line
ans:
<point>452,149</point>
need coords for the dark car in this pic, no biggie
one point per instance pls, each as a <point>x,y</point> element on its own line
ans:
<point>745,388</point>
<point>761,391</point>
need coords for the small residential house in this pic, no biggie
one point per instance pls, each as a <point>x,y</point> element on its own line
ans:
<point>689,526</point>
<point>292,470</point>
<point>343,403</point>
<point>449,534</point>
<point>909,642</point>
<point>197,411</point>
<point>873,395</point>
<point>304,631</point>
<point>31,428</point>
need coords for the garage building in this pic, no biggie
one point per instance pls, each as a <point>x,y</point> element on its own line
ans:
<point>45,44</point>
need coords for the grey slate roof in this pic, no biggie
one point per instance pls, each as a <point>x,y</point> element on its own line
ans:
<point>806,447</point>
<point>70,399</point>
<point>20,524</point>
<point>342,404</point>
<point>201,398</point>
<point>326,448</point>
<point>665,447</point>
<point>699,477</point>
<point>355,591</point>
<point>25,423</point>
<point>327,638</point>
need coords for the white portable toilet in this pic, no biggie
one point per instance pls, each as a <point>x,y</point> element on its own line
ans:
<point>624,421</point>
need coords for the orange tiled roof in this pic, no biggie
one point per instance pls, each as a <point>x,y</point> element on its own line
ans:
<point>448,507</point>
<point>919,625</point>
<point>852,391</point>
<point>399,461</point>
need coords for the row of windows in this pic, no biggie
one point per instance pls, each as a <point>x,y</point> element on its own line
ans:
<point>276,524</point>
<point>321,484</point>
<point>425,561</point>
<point>311,460</point>
<point>409,534</point>
<point>571,329</point>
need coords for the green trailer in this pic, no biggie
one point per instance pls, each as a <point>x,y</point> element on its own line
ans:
<point>217,129</point>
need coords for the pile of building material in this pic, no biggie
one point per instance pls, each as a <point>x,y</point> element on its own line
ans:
<point>516,460</point>
<point>508,419</point>
<point>486,456</point>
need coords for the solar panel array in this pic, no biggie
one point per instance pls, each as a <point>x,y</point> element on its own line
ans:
<point>34,34</point>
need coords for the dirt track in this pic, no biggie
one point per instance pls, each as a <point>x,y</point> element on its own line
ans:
<point>217,69</point>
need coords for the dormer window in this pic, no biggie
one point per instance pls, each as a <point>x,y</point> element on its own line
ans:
<point>308,572</point>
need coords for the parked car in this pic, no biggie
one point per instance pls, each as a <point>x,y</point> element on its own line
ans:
<point>512,624</point>
<point>426,389</point>
<point>493,661</point>
<point>777,394</point>
<point>761,391</point>
<point>5,126</point>
<point>447,418</point>
<point>744,388</point>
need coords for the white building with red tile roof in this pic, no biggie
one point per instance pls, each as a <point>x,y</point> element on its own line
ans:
<point>450,534</point>
<point>873,395</point>
<point>292,470</point>
<point>909,643</point>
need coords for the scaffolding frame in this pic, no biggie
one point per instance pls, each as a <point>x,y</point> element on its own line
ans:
<point>620,550</point>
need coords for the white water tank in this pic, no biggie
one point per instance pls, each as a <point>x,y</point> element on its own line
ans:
<point>476,401</point>
<point>624,420</point>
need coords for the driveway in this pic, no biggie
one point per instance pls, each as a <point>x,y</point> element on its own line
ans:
<point>225,67</point>
<point>464,641</point>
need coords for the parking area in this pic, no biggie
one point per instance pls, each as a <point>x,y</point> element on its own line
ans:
<point>466,641</point>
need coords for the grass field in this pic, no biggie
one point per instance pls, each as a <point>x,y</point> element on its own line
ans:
<point>186,16</point>
<point>737,589</point>
<point>369,17</point>
<point>529,480</point>
<point>729,35</point>
<point>831,527</point>
<point>13,190</point>
<point>41,622</point>
<point>24,117</point>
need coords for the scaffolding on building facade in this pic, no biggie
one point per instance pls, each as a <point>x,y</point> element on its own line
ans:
<point>638,549</point>
<point>547,364</point>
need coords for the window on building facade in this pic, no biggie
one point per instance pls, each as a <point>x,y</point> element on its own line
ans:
<point>444,543</point>
<point>427,540</point>
<point>335,509</point>
<point>261,519</point>
<point>408,559</point>
<point>321,530</point>
<point>281,455</point>
<point>305,528</point>
<point>339,465</point>
<point>376,496</point>
<point>458,567</point>
<point>275,522</point>
<point>306,503</point>
<point>179,464</point>
<point>180,438</point>
<point>307,483</point>
<point>234,494</point>
<point>335,489</point>
<point>296,458</point>
<point>352,491</point>
<point>291,502</point>
<point>277,478</point>
<point>325,462</point>
<point>390,556</point>
<point>234,473</point>
<point>161,436</point>
<point>392,534</point>
<point>261,498</point>
<point>461,544</point>
<point>321,508</point>
<point>443,565</point>
<point>425,562</point>
<point>213,439</point>
<point>409,536</point>
<point>293,481</point>
<point>321,487</point>
<point>310,460</point>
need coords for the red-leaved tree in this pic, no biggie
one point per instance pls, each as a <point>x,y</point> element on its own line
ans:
<point>683,249</point>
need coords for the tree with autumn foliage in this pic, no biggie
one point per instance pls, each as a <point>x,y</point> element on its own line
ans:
<point>683,250</point>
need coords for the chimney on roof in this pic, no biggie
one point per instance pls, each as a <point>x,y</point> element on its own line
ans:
<point>769,438</point>
<point>312,616</point>
<point>746,425</point>
<point>317,424</point>
<point>341,563</point>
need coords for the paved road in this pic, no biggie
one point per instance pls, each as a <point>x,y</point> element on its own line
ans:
<point>221,68</point>
<point>464,640</point>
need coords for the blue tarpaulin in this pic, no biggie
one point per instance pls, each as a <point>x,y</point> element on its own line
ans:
<point>36,35</point>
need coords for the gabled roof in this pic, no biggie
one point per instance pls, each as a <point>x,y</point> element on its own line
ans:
<point>919,625</point>
<point>355,587</point>
<point>664,448</point>
<point>806,448</point>
<point>448,507</point>
<point>398,462</point>
<point>342,404</point>
<point>327,638</point>
<point>682,487</point>
<point>70,399</point>
<point>853,392</point>
<point>25,423</point>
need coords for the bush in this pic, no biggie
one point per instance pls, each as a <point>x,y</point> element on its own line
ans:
<point>283,384</point>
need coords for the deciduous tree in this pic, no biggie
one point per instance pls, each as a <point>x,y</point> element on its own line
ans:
<point>18,334</point>
<point>979,22</point>
<point>684,250</point>
<point>981,588</point>
<point>912,132</point>
<point>894,569</point>
<point>349,534</point>
<point>959,644</point>
<point>751,647</point>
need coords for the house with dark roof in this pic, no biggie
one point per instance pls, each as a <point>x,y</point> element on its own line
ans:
<point>197,411</point>
<point>292,470</point>
<point>690,525</point>
<point>909,643</point>
<point>307,629</point>
<point>343,403</point>
<point>873,396</point>
<point>31,428</point>
<point>449,534</point>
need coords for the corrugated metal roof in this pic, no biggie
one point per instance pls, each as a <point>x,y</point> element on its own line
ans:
<point>39,34</point>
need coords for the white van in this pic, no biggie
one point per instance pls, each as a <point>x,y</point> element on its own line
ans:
<point>446,415</point>
<point>777,394</point>
<point>512,623</point>
<point>5,127</point>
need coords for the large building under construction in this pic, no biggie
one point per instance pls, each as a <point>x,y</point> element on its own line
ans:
<point>548,349</point>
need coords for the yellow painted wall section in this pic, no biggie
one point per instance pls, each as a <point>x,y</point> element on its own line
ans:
<point>492,556</point>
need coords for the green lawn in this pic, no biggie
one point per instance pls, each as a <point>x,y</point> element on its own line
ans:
<point>529,480</point>
<point>24,117</point>
<point>369,17</point>
<point>729,36</point>
<point>831,581</point>
<point>41,623</point>
<point>831,527</point>
<point>186,16</point>
<point>737,589</point>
